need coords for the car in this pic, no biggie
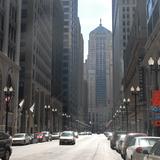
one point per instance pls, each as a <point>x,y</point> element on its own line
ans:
<point>21,138</point>
<point>67,137</point>
<point>5,146</point>
<point>40,137</point>
<point>33,138</point>
<point>115,137</point>
<point>137,145</point>
<point>154,153</point>
<point>119,142</point>
<point>47,135</point>
<point>76,134</point>
<point>127,140</point>
<point>55,135</point>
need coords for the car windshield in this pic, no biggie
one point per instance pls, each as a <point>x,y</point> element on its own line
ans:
<point>67,134</point>
<point>55,133</point>
<point>18,135</point>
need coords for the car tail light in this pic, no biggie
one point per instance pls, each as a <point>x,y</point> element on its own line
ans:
<point>139,150</point>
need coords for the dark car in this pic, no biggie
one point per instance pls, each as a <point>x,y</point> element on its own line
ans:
<point>40,137</point>
<point>67,137</point>
<point>5,146</point>
<point>115,137</point>
<point>154,153</point>
<point>127,140</point>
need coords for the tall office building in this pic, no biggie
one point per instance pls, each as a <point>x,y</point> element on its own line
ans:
<point>35,62</point>
<point>72,66</point>
<point>98,77</point>
<point>9,61</point>
<point>56,83</point>
<point>123,15</point>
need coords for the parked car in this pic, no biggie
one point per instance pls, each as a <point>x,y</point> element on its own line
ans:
<point>127,140</point>
<point>5,146</point>
<point>55,135</point>
<point>47,135</point>
<point>33,138</point>
<point>67,137</point>
<point>21,138</point>
<point>40,137</point>
<point>114,138</point>
<point>137,145</point>
<point>154,153</point>
<point>76,134</point>
<point>119,142</point>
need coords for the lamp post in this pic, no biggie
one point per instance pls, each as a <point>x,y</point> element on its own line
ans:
<point>156,68</point>
<point>126,103</point>
<point>122,108</point>
<point>54,111</point>
<point>135,92</point>
<point>8,93</point>
<point>47,108</point>
<point>117,114</point>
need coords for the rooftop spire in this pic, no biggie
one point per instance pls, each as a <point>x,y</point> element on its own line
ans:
<point>100,22</point>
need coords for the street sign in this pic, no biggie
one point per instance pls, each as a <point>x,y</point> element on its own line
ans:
<point>156,123</point>
<point>155,101</point>
<point>156,117</point>
<point>155,109</point>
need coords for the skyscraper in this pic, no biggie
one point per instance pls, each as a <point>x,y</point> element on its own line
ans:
<point>72,66</point>
<point>99,72</point>
<point>123,16</point>
<point>35,62</point>
<point>10,21</point>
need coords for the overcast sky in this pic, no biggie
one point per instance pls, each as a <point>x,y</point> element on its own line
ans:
<point>90,12</point>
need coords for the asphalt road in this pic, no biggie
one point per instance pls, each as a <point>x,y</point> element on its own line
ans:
<point>91,147</point>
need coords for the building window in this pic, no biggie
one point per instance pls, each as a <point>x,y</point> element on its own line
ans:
<point>24,13</point>
<point>23,27</point>
<point>66,3</point>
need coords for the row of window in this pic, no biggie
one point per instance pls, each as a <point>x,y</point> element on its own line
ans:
<point>129,1</point>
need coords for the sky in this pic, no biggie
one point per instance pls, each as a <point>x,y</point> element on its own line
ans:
<point>90,12</point>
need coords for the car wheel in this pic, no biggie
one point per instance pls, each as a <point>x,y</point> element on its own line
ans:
<point>6,156</point>
<point>60,143</point>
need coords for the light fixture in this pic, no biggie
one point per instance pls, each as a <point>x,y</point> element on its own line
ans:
<point>151,61</point>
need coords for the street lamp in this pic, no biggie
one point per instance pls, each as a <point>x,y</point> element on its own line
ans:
<point>122,108</point>
<point>8,93</point>
<point>135,92</point>
<point>126,103</point>
<point>54,111</point>
<point>155,67</point>
<point>47,108</point>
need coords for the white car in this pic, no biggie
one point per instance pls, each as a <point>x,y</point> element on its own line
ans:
<point>21,138</point>
<point>137,145</point>
<point>67,137</point>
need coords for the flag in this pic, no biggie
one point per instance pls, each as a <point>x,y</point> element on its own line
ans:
<point>32,107</point>
<point>21,104</point>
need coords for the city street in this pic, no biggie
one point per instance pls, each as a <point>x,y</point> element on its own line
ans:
<point>91,147</point>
